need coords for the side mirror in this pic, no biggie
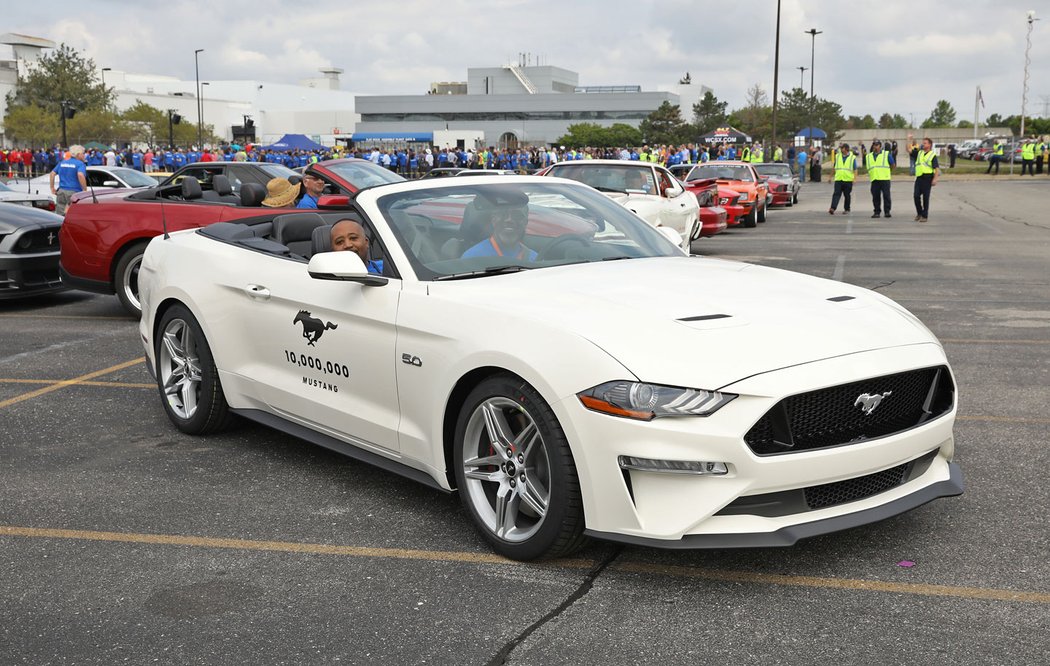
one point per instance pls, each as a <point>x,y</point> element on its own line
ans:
<point>345,266</point>
<point>333,201</point>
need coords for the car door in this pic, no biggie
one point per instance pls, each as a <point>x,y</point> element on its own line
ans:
<point>680,209</point>
<point>318,352</point>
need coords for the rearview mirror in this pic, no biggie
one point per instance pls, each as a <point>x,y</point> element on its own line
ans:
<point>670,234</point>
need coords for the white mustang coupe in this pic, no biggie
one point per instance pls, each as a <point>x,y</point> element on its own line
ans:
<point>560,363</point>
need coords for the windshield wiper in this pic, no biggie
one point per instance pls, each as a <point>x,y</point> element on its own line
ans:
<point>608,189</point>
<point>493,270</point>
<point>617,258</point>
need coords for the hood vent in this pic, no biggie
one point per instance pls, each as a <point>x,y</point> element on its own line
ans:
<point>706,317</point>
<point>839,299</point>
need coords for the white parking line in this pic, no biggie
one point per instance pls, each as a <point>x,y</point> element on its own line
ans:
<point>839,266</point>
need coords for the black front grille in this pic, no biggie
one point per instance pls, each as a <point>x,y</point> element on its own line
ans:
<point>36,240</point>
<point>837,415</point>
<point>851,490</point>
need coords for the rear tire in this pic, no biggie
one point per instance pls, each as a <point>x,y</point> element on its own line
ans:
<point>515,472</point>
<point>187,378</point>
<point>126,278</point>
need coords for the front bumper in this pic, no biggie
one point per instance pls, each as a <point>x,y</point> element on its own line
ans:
<point>732,510</point>
<point>29,274</point>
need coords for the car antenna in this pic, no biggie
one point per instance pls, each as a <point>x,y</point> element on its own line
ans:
<point>91,187</point>
<point>164,221</point>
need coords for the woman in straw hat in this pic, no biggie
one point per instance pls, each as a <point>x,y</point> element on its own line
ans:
<point>280,193</point>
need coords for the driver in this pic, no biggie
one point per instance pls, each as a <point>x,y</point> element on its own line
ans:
<point>636,180</point>
<point>350,235</point>
<point>508,230</point>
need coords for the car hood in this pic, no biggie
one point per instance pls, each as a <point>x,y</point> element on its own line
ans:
<point>22,196</point>
<point>696,322</point>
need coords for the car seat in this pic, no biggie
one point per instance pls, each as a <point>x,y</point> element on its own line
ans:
<point>220,184</point>
<point>321,239</point>
<point>252,194</point>
<point>191,189</point>
<point>295,231</point>
<point>475,227</point>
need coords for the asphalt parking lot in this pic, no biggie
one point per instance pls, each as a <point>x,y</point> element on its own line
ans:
<point>125,541</point>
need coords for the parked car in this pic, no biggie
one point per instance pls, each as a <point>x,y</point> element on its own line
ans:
<point>783,185</point>
<point>727,198</point>
<point>740,177</point>
<point>444,172</point>
<point>28,251</point>
<point>557,390</point>
<point>98,177</point>
<point>105,234</point>
<point>646,189</point>
<point>19,196</point>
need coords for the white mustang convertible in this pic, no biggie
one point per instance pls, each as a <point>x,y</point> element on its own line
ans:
<point>560,363</point>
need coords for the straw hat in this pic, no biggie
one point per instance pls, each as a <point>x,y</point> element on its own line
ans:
<point>280,193</point>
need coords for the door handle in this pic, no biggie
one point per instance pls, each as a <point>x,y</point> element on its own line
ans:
<point>257,292</point>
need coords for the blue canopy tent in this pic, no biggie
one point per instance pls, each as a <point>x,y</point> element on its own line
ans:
<point>812,133</point>
<point>293,142</point>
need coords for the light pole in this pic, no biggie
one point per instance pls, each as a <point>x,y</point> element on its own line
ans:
<point>801,77</point>
<point>200,146</point>
<point>812,32</point>
<point>776,75</point>
<point>197,76</point>
<point>105,98</point>
<point>1027,61</point>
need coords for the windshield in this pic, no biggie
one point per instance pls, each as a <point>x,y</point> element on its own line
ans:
<point>781,170</point>
<point>451,231</point>
<point>721,172</point>
<point>132,177</point>
<point>362,174</point>
<point>609,177</point>
<point>5,188</point>
<point>276,170</point>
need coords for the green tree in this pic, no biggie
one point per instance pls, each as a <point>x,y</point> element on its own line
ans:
<point>709,113</point>
<point>63,75</point>
<point>31,125</point>
<point>896,121</point>
<point>858,122</point>
<point>943,115</point>
<point>665,125</point>
<point>994,120</point>
<point>146,123</point>
<point>964,124</point>
<point>592,134</point>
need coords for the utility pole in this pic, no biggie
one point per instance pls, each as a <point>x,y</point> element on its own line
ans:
<point>776,75</point>
<point>802,78</point>
<point>812,32</point>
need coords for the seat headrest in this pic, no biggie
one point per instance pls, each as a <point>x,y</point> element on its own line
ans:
<point>295,227</point>
<point>252,194</point>
<point>221,184</point>
<point>321,241</point>
<point>295,180</point>
<point>191,188</point>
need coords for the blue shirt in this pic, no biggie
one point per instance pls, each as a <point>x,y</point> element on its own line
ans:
<point>307,202</point>
<point>375,266</point>
<point>67,171</point>
<point>489,248</point>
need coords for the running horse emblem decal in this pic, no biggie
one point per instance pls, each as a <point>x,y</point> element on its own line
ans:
<point>313,328</point>
<point>868,402</point>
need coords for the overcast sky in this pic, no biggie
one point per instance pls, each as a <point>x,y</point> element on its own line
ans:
<point>874,56</point>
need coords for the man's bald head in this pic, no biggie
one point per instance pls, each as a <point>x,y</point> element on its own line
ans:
<point>350,235</point>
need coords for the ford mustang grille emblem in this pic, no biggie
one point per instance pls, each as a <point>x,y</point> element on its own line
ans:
<point>868,402</point>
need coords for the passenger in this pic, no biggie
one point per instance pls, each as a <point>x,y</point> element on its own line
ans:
<point>280,193</point>
<point>350,235</point>
<point>314,187</point>
<point>637,181</point>
<point>508,230</point>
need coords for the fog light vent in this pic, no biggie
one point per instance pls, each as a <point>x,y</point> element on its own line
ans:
<point>673,466</point>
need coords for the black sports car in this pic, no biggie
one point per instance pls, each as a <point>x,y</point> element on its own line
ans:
<point>28,251</point>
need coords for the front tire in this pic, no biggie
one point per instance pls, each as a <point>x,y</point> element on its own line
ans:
<point>187,378</point>
<point>126,278</point>
<point>515,472</point>
<point>762,214</point>
<point>751,220</point>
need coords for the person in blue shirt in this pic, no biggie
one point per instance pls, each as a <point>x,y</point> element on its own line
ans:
<point>72,178</point>
<point>350,235</point>
<point>314,186</point>
<point>508,230</point>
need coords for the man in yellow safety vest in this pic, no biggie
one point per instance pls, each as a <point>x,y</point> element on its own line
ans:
<point>927,170</point>
<point>879,165</point>
<point>1028,157</point>
<point>845,163</point>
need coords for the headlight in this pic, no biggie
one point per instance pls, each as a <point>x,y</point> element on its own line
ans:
<point>637,400</point>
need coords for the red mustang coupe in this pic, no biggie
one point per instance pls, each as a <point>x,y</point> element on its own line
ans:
<point>104,235</point>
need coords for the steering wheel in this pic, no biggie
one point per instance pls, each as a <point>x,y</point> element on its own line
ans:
<point>562,241</point>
